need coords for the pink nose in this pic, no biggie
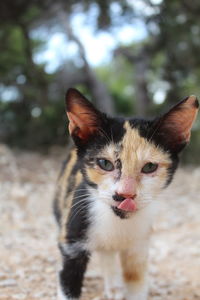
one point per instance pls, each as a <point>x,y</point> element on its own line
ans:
<point>127,187</point>
<point>127,196</point>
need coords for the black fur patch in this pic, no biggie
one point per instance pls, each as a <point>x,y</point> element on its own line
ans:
<point>56,210</point>
<point>71,276</point>
<point>78,220</point>
<point>111,131</point>
<point>87,180</point>
<point>119,167</point>
<point>196,103</point>
<point>172,168</point>
<point>120,213</point>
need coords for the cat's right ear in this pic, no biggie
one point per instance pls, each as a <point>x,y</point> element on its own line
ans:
<point>173,129</point>
<point>84,118</point>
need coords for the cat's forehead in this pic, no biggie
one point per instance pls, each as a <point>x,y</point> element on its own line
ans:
<point>133,147</point>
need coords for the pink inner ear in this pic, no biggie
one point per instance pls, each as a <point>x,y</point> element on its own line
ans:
<point>178,122</point>
<point>182,121</point>
<point>84,118</point>
<point>81,125</point>
<point>182,124</point>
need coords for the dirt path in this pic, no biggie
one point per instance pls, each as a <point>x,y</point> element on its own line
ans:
<point>28,252</point>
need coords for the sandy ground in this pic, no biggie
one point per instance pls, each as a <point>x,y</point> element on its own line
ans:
<point>28,252</point>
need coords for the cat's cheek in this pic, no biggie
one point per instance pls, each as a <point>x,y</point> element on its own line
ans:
<point>149,186</point>
<point>162,177</point>
<point>95,175</point>
<point>106,189</point>
<point>152,185</point>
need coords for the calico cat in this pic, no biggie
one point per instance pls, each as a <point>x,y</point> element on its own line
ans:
<point>107,193</point>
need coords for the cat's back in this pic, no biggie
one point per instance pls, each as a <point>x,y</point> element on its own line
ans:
<point>69,177</point>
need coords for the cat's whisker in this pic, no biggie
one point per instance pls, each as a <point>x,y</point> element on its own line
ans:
<point>105,135</point>
<point>80,198</point>
<point>155,130</point>
<point>83,194</point>
<point>76,206</point>
<point>86,189</point>
<point>78,211</point>
<point>112,135</point>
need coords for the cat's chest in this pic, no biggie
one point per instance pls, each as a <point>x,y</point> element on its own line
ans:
<point>109,232</point>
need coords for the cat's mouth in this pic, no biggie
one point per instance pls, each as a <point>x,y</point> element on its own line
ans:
<point>120,213</point>
<point>128,204</point>
<point>124,208</point>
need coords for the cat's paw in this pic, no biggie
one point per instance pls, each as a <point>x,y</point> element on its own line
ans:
<point>61,296</point>
<point>116,293</point>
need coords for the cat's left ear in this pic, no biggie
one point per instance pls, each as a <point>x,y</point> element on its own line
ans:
<point>173,129</point>
<point>84,118</point>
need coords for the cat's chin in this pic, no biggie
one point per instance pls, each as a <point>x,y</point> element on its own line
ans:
<point>121,213</point>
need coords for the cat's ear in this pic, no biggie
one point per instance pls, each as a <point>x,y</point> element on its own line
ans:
<point>174,128</point>
<point>84,118</point>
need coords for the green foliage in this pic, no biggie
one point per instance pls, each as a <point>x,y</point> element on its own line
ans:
<point>11,58</point>
<point>171,50</point>
<point>120,84</point>
<point>32,131</point>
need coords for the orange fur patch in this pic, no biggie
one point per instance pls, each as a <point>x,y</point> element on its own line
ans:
<point>133,269</point>
<point>137,151</point>
<point>95,175</point>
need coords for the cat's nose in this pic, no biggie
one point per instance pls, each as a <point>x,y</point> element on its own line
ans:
<point>121,197</point>
<point>126,187</point>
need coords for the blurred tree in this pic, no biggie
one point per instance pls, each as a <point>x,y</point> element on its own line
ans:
<point>34,88</point>
<point>27,80</point>
<point>139,59</point>
<point>163,66</point>
<point>175,31</point>
<point>98,90</point>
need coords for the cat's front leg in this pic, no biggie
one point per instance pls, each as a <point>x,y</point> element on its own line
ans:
<point>74,263</point>
<point>111,269</point>
<point>134,265</point>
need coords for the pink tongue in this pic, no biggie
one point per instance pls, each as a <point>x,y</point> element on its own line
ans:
<point>128,205</point>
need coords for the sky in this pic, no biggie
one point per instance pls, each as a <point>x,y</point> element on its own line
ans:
<point>98,46</point>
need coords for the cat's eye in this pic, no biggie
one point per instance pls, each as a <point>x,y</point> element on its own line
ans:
<point>105,164</point>
<point>149,168</point>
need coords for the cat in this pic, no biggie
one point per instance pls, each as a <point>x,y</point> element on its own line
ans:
<point>107,191</point>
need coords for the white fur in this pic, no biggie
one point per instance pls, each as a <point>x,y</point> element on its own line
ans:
<point>111,270</point>
<point>137,292</point>
<point>109,232</point>
<point>61,296</point>
<point>72,250</point>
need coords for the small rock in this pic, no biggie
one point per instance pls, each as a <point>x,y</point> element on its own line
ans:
<point>8,282</point>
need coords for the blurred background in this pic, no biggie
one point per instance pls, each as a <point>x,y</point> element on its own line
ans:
<point>129,57</point>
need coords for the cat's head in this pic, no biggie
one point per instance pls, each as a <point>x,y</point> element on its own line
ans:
<point>127,162</point>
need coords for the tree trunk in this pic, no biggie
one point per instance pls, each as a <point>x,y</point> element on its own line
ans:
<point>140,62</point>
<point>98,90</point>
<point>34,76</point>
<point>143,101</point>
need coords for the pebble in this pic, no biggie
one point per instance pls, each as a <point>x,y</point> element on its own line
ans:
<point>29,252</point>
<point>8,282</point>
